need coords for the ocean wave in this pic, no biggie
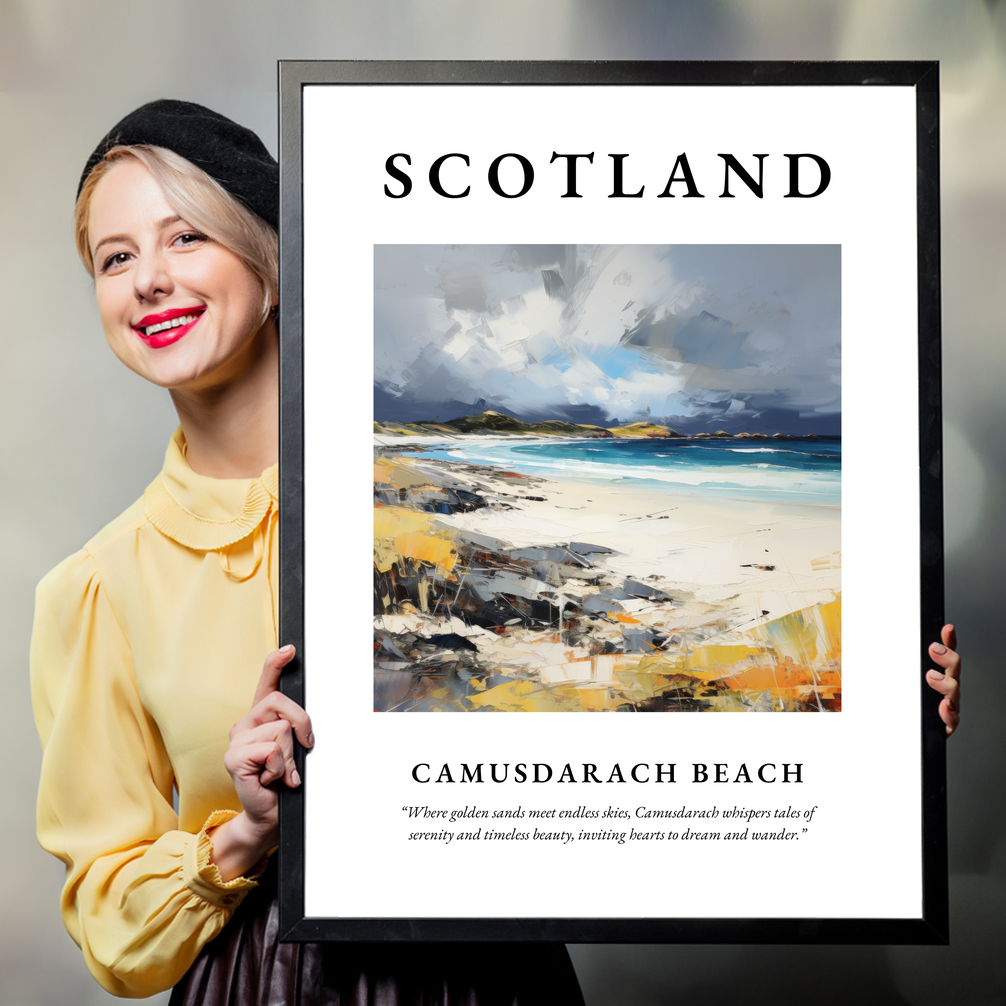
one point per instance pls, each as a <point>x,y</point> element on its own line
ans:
<point>773,479</point>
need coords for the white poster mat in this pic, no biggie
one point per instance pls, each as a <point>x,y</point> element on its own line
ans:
<point>860,856</point>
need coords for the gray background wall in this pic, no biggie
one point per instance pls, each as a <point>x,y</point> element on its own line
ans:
<point>82,436</point>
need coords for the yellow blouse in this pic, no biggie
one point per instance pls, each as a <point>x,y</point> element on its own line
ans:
<point>147,647</point>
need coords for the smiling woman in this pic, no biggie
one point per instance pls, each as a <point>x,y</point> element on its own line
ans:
<point>158,279</point>
<point>154,665</point>
<point>197,197</point>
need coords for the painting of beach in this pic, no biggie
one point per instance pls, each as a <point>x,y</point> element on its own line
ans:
<point>607,478</point>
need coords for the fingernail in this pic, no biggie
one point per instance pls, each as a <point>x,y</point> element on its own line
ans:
<point>938,648</point>
<point>310,740</point>
<point>295,777</point>
<point>937,675</point>
<point>287,649</point>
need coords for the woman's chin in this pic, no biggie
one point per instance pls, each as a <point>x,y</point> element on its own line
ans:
<point>173,374</point>
<point>196,365</point>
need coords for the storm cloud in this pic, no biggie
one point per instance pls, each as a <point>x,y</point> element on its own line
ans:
<point>743,336</point>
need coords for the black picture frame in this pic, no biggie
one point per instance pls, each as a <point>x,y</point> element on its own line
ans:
<point>931,927</point>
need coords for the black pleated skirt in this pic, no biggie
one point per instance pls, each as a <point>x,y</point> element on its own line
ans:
<point>246,965</point>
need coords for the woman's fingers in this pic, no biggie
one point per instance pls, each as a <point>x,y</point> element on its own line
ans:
<point>274,766</point>
<point>944,684</point>
<point>271,671</point>
<point>949,660</point>
<point>949,636</point>
<point>270,703</point>
<point>949,710</point>
<point>261,761</point>
<point>945,655</point>
<point>276,735</point>
<point>950,716</point>
<point>261,749</point>
<point>947,680</point>
<point>277,706</point>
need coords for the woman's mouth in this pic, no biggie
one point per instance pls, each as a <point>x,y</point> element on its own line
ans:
<point>158,330</point>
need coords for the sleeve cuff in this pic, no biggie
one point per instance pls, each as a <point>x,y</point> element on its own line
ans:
<point>202,876</point>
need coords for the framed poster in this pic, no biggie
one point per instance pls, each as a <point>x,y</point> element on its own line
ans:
<point>633,369</point>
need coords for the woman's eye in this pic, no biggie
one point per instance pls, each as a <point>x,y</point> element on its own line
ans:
<point>114,261</point>
<point>190,238</point>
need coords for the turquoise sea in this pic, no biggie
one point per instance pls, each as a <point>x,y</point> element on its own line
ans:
<point>798,471</point>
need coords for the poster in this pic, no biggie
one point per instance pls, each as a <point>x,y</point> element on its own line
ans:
<point>621,366</point>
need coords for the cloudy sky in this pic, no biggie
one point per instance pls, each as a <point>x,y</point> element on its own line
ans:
<point>743,337</point>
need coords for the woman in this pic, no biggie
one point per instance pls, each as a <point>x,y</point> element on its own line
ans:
<point>148,643</point>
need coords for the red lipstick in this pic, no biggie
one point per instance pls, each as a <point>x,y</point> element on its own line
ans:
<point>166,327</point>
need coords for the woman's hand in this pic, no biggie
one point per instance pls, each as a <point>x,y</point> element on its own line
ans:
<point>260,753</point>
<point>948,681</point>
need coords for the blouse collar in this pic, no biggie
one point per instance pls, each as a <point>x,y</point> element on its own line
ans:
<point>204,513</point>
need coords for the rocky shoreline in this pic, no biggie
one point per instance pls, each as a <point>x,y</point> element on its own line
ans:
<point>497,590</point>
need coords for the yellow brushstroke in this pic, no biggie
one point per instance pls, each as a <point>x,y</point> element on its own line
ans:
<point>811,637</point>
<point>791,662</point>
<point>400,473</point>
<point>405,534</point>
<point>788,662</point>
<point>718,659</point>
<point>833,561</point>
<point>512,695</point>
<point>830,620</point>
<point>591,699</point>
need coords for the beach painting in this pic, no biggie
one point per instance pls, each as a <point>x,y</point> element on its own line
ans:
<point>607,478</point>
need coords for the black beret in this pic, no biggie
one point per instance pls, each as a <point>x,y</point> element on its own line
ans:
<point>230,154</point>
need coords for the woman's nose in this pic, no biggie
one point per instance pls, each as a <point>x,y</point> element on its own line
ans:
<point>152,277</point>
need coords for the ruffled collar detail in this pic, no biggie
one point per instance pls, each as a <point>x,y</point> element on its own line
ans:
<point>203,513</point>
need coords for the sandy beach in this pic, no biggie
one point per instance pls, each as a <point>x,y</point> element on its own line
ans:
<point>504,591</point>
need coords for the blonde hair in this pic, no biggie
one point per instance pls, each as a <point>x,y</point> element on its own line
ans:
<point>199,200</point>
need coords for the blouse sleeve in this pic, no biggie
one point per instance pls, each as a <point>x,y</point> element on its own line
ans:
<point>141,898</point>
